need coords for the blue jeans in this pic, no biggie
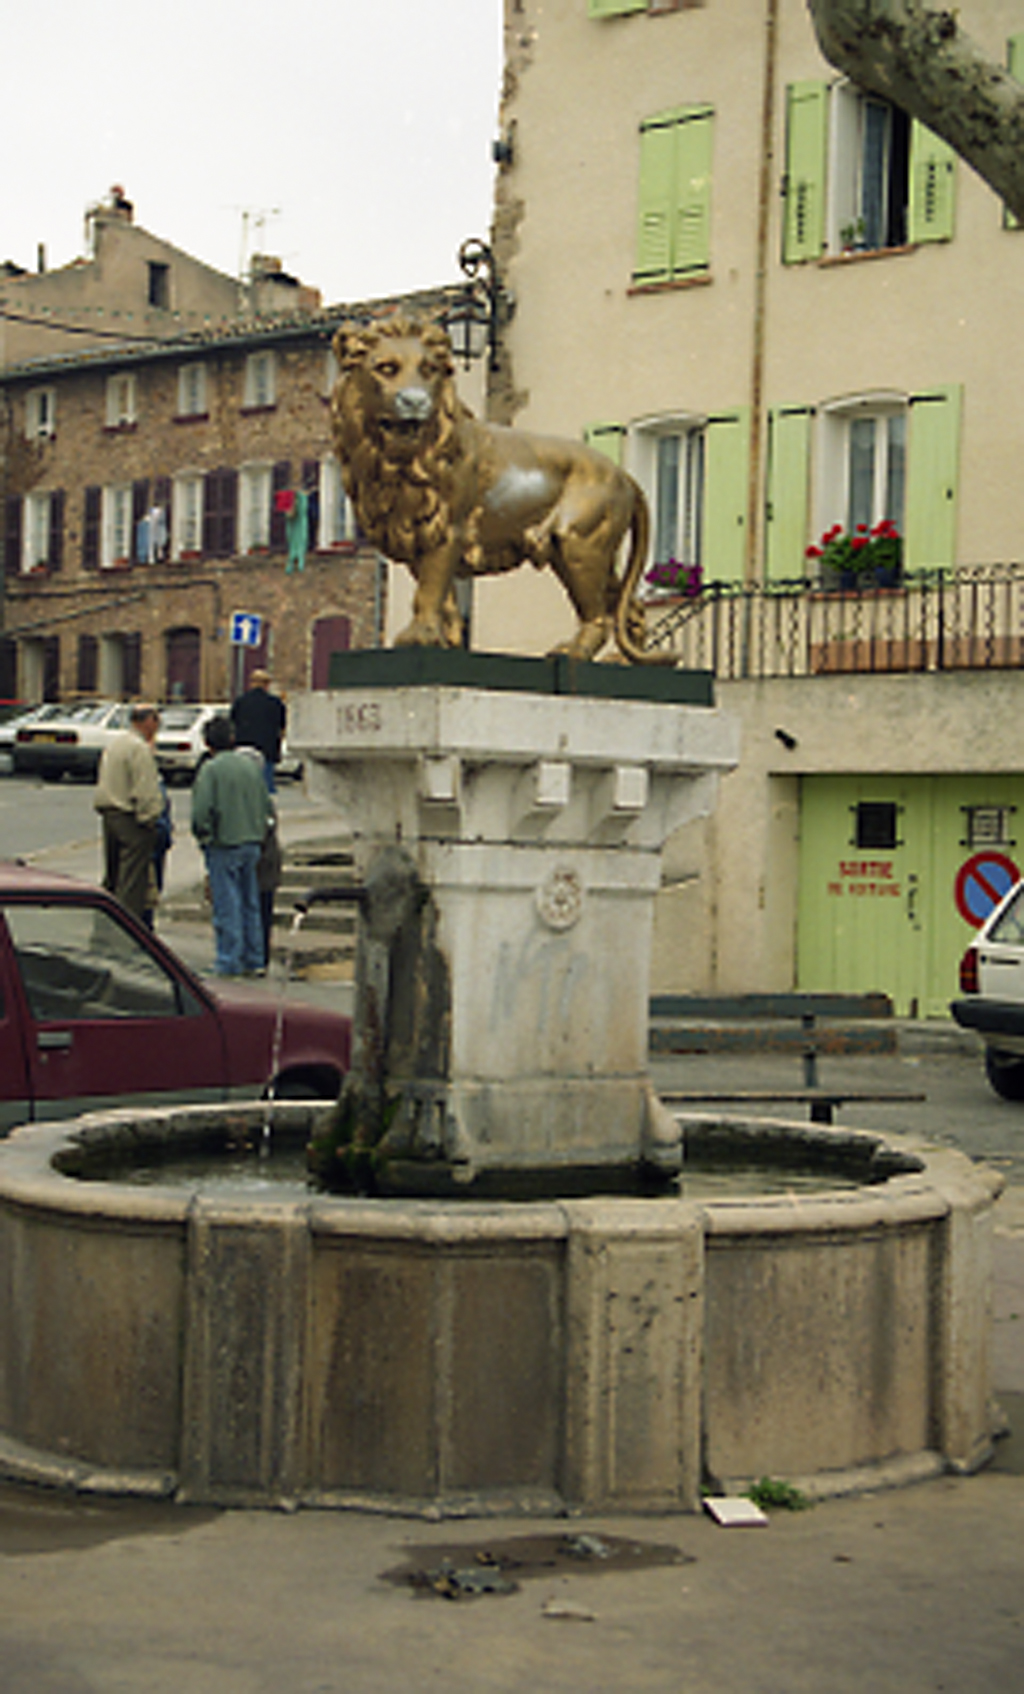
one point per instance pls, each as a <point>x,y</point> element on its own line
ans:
<point>235,896</point>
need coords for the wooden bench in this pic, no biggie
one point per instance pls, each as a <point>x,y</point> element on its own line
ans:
<point>669,1011</point>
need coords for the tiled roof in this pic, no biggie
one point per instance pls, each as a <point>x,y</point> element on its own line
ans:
<point>244,332</point>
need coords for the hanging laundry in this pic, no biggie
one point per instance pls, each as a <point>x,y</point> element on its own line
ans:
<point>143,541</point>
<point>297,531</point>
<point>158,534</point>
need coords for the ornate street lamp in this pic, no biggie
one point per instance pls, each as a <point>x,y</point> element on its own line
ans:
<point>475,321</point>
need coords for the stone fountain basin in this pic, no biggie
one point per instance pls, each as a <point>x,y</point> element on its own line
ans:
<point>416,1355</point>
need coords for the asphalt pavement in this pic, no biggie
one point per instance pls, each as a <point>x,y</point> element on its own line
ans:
<point>911,1590</point>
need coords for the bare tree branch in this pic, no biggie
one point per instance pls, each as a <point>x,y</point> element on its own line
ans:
<point>921,60</point>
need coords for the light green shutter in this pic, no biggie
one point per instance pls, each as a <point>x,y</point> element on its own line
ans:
<point>806,151</point>
<point>932,459</point>
<point>674,209</point>
<point>657,176</point>
<point>606,438</point>
<point>726,462</point>
<point>691,236</point>
<point>1015,66</point>
<point>789,444</point>
<point>614,8</point>
<point>932,186</point>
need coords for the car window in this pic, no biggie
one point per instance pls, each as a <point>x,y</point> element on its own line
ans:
<point>78,962</point>
<point>179,717</point>
<point>1009,926</point>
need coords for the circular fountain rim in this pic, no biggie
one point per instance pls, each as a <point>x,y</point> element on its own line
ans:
<point>36,1161</point>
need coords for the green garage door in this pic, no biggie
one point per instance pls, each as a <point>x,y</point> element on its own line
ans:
<point>895,875</point>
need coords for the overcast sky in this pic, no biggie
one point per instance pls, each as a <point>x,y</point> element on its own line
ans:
<point>359,130</point>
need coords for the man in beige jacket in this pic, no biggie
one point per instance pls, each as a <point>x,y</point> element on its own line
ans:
<point>130,800</point>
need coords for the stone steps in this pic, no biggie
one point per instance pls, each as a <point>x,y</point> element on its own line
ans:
<point>326,938</point>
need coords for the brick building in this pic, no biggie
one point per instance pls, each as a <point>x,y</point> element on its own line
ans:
<point>145,501</point>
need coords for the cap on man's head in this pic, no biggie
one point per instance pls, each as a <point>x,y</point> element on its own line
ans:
<point>259,678</point>
<point>217,733</point>
<point>139,710</point>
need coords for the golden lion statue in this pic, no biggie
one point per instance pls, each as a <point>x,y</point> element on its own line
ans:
<point>450,497</point>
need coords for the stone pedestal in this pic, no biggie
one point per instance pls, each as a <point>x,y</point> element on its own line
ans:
<point>532,825</point>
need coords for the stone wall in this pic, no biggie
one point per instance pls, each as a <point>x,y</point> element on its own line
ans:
<point>67,600</point>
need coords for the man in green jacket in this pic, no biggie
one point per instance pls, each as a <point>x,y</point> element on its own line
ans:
<point>231,812</point>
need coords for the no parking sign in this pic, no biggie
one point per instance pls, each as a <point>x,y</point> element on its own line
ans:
<point>981,882</point>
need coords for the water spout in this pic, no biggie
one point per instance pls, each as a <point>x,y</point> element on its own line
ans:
<point>278,1039</point>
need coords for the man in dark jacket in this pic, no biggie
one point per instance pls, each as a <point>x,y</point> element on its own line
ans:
<point>258,719</point>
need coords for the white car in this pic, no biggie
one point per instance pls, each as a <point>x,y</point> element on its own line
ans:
<point>69,742</point>
<point>19,720</point>
<point>179,744</point>
<point>992,993</point>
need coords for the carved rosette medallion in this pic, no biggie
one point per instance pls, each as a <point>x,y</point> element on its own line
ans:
<point>560,898</point>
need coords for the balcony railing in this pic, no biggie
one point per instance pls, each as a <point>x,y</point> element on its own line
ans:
<point>934,620</point>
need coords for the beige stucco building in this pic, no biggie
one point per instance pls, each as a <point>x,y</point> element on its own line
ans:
<point>131,286</point>
<point>785,307</point>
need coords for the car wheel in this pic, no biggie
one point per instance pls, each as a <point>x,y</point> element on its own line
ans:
<point>1006,1073</point>
<point>304,1088</point>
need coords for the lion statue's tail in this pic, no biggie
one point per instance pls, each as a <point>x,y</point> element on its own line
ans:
<point>629,621</point>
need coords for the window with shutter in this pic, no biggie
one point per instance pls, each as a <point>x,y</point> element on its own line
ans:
<point>869,175</point>
<point>192,391</point>
<point>862,473</point>
<point>254,489</point>
<point>36,532</point>
<point>51,667</point>
<point>933,450</point>
<point>131,659</point>
<point>56,553</point>
<point>727,460</point>
<point>606,438</point>
<point>803,233</point>
<point>335,520</point>
<point>8,668</point>
<point>87,669</point>
<point>667,456</point>
<point>140,513</point>
<point>121,409</point>
<point>789,447</point>
<point>932,186</point>
<point>187,516</point>
<point>117,529</point>
<point>12,534</point>
<point>260,381</point>
<point>91,521</point>
<point>674,202</point>
<point>40,413</point>
<point>614,8</point>
<point>281,479</point>
<point>219,516</point>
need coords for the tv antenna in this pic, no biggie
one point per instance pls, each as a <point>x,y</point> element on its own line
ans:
<point>254,226</point>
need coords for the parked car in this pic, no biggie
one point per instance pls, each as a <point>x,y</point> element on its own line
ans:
<point>992,990</point>
<point>95,1010</point>
<point>179,744</point>
<point>68,743</point>
<point>17,719</point>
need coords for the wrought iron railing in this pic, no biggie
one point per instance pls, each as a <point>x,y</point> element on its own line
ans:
<point>933,620</point>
